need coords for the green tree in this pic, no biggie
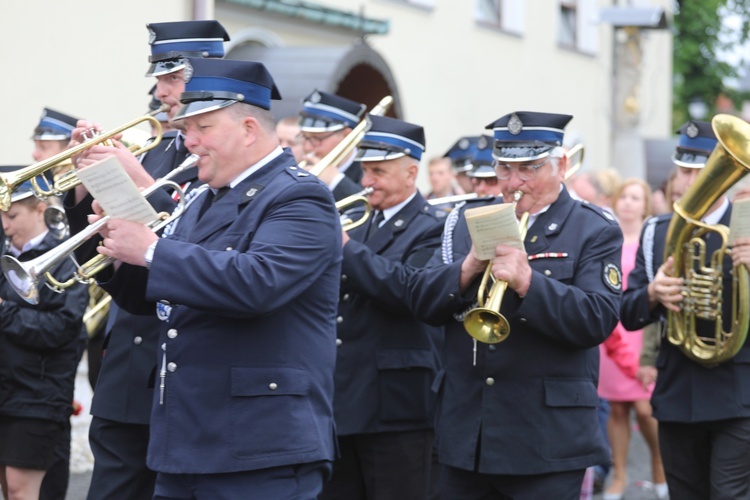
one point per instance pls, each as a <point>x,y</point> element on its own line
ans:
<point>700,36</point>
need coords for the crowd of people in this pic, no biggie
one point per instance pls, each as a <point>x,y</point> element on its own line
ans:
<point>255,349</point>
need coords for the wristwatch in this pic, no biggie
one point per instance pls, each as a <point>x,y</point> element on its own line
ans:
<point>150,254</point>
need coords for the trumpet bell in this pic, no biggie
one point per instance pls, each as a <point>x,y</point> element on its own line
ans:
<point>486,325</point>
<point>20,278</point>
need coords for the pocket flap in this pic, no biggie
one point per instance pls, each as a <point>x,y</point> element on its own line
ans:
<point>395,359</point>
<point>561,393</point>
<point>269,381</point>
<point>558,269</point>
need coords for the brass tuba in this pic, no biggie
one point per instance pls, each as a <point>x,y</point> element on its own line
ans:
<point>703,283</point>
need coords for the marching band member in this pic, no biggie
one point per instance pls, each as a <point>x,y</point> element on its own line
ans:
<point>325,120</point>
<point>461,155</point>
<point>482,173</point>
<point>703,412</point>
<point>122,401</point>
<point>247,345</point>
<point>518,419</point>
<point>40,347</point>
<point>386,359</point>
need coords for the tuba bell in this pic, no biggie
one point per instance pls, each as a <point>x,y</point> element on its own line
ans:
<point>703,288</point>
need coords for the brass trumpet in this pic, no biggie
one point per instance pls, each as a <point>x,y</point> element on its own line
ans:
<point>347,224</point>
<point>9,182</point>
<point>25,277</point>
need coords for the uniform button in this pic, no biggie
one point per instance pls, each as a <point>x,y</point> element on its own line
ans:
<point>339,342</point>
<point>547,272</point>
<point>172,366</point>
<point>229,249</point>
<point>490,381</point>
<point>340,320</point>
<point>273,386</point>
<point>343,278</point>
<point>171,333</point>
<point>522,320</point>
<point>492,347</point>
<point>451,297</point>
<point>345,297</point>
<point>138,340</point>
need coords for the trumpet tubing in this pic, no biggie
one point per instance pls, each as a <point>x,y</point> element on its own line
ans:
<point>348,224</point>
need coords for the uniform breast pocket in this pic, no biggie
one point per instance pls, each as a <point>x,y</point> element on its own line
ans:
<point>405,377</point>
<point>559,269</point>
<point>571,412</point>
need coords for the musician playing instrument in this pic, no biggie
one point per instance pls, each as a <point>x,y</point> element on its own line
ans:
<point>703,411</point>
<point>244,405</point>
<point>325,120</point>
<point>386,359</point>
<point>121,405</point>
<point>518,419</point>
<point>40,347</point>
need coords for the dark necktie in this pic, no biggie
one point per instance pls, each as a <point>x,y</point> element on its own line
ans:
<point>211,198</point>
<point>375,223</point>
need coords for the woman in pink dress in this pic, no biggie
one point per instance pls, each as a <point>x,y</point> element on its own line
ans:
<point>619,357</point>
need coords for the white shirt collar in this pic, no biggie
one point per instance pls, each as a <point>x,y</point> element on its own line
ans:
<point>390,212</point>
<point>30,245</point>
<point>715,216</point>
<point>250,171</point>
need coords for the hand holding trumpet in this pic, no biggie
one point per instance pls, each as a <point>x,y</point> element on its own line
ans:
<point>124,240</point>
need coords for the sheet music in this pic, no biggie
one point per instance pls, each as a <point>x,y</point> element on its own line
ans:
<point>739,225</point>
<point>116,192</point>
<point>493,225</point>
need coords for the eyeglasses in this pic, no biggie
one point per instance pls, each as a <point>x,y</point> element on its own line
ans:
<point>524,172</point>
<point>490,181</point>
<point>315,140</point>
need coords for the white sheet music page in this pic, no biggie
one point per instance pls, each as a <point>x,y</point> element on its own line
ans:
<point>739,225</point>
<point>116,192</point>
<point>493,225</point>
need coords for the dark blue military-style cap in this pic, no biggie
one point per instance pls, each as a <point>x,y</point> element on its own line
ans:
<point>526,135</point>
<point>172,42</point>
<point>697,141</point>
<point>324,112</point>
<point>54,126</point>
<point>469,150</point>
<point>389,138</point>
<point>212,84</point>
<point>482,161</point>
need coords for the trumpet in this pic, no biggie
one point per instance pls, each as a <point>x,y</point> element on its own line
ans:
<point>347,224</point>
<point>485,323</point>
<point>26,277</point>
<point>9,182</point>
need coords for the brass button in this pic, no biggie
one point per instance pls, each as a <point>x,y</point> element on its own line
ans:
<point>490,381</point>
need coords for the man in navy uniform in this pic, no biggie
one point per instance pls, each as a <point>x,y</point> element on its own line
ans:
<point>482,173</point>
<point>703,412</point>
<point>518,419</point>
<point>247,286</point>
<point>386,358</point>
<point>461,155</point>
<point>325,120</point>
<point>122,401</point>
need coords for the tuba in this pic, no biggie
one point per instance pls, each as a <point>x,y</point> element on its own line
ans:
<point>703,280</point>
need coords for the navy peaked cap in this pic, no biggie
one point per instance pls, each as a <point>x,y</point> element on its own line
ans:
<point>324,112</point>
<point>172,42</point>
<point>527,135</point>
<point>54,126</point>
<point>212,84</point>
<point>470,151</point>
<point>389,138</point>
<point>697,141</point>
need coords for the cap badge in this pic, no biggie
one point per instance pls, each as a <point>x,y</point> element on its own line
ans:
<point>515,125</point>
<point>315,98</point>
<point>692,130</point>
<point>188,71</point>
<point>464,143</point>
<point>482,142</point>
<point>151,36</point>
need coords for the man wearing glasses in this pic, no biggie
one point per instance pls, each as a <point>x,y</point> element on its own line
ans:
<point>518,418</point>
<point>325,120</point>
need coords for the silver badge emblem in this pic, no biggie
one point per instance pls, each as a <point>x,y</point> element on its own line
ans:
<point>552,226</point>
<point>251,192</point>
<point>188,71</point>
<point>315,97</point>
<point>515,125</point>
<point>692,130</point>
<point>482,142</point>
<point>399,223</point>
<point>151,36</point>
<point>464,143</point>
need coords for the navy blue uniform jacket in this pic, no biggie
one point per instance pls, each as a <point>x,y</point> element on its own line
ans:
<point>248,348</point>
<point>530,402</point>
<point>686,391</point>
<point>386,358</point>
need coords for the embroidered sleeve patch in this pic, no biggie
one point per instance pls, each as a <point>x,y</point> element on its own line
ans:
<point>612,276</point>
